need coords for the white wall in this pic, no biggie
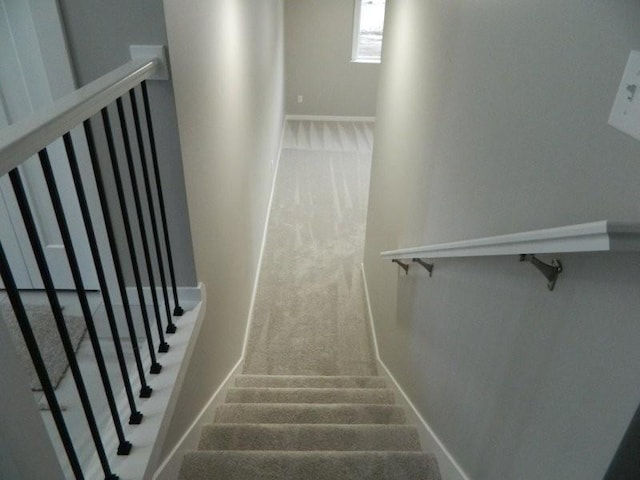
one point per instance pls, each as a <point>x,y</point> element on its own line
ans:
<point>228,74</point>
<point>318,61</point>
<point>492,119</point>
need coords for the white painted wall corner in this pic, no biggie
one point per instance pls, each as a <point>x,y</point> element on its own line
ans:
<point>170,466</point>
<point>449,467</point>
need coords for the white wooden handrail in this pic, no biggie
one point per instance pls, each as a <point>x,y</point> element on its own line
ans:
<point>601,236</point>
<point>25,138</point>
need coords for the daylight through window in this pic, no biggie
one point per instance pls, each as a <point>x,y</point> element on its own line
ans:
<point>367,30</point>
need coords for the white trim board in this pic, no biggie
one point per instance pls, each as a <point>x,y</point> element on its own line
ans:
<point>254,293</point>
<point>449,467</point>
<point>330,118</point>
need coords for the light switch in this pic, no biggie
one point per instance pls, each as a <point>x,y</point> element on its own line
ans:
<point>625,114</point>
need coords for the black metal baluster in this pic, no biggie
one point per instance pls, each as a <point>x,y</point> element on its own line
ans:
<point>164,346</point>
<point>171,328</point>
<point>38,252</point>
<point>32,346</point>
<point>155,366</point>
<point>124,447</point>
<point>136,416</point>
<point>177,311</point>
<point>145,390</point>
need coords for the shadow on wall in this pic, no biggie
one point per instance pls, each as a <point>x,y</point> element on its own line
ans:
<point>626,462</point>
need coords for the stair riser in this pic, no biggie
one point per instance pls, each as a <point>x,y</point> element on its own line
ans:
<point>314,414</point>
<point>308,382</point>
<point>310,437</point>
<point>309,465</point>
<point>310,395</point>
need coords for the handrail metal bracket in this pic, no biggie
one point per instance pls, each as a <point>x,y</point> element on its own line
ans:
<point>428,266</point>
<point>550,272</point>
<point>405,266</point>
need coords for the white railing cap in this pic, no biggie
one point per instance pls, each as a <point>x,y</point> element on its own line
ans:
<point>25,138</point>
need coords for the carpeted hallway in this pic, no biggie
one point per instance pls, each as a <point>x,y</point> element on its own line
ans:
<point>309,317</point>
<point>309,403</point>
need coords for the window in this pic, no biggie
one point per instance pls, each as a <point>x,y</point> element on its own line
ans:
<point>368,23</point>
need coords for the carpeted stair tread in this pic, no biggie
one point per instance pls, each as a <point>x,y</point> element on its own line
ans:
<point>309,437</point>
<point>250,465</point>
<point>310,395</point>
<point>308,413</point>
<point>304,381</point>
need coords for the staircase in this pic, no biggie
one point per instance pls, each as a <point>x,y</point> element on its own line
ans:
<point>306,406</point>
<point>309,427</point>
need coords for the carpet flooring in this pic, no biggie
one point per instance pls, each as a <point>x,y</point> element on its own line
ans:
<point>309,404</point>
<point>46,334</point>
<point>309,317</point>
<point>309,428</point>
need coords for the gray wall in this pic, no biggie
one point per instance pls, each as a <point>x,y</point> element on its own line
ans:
<point>492,119</point>
<point>318,61</point>
<point>228,74</point>
<point>99,35</point>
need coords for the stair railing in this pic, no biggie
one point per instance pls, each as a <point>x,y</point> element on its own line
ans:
<point>601,236</point>
<point>74,119</point>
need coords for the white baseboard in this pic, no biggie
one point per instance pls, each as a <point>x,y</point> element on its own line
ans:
<point>264,242</point>
<point>170,467</point>
<point>449,467</point>
<point>330,118</point>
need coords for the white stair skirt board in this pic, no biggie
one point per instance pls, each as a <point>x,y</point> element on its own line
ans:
<point>330,118</point>
<point>263,241</point>
<point>449,468</point>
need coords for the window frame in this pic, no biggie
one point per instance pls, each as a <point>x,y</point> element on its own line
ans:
<point>357,17</point>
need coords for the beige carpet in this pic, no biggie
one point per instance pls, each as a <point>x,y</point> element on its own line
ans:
<point>46,333</point>
<point>324,428</point>
<point>309,405</point>
<point>309,317</point>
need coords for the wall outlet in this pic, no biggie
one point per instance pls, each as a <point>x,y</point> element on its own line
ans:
<point>299,98</point>
<point>625,114</point>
